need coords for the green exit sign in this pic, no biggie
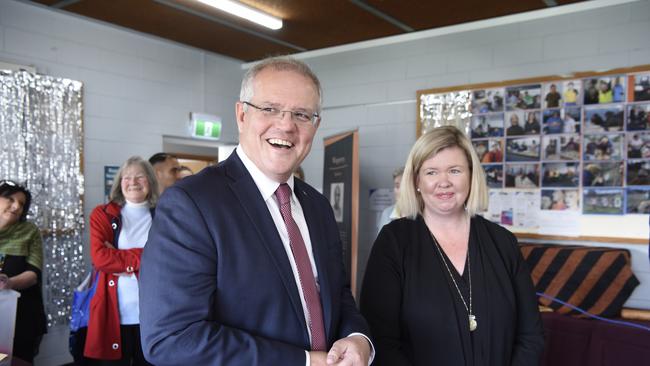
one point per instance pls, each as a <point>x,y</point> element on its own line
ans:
<point>206,126</point>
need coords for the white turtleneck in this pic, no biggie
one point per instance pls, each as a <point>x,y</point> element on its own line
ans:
<point>136,222</point>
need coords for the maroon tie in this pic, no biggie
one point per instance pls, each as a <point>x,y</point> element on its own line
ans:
<point>305,273</point>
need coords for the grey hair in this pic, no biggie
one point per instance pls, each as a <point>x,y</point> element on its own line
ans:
<point>117,195</point>
<point>282,63</point>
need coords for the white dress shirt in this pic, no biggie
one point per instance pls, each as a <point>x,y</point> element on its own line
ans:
<point>267,188</point>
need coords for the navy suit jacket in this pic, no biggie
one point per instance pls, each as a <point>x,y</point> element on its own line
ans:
<point>216,286</point>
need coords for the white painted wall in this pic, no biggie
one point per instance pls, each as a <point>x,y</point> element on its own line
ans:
<point>137,88</point>
<point>372,85</point>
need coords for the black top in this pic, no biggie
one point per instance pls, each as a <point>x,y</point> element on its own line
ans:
<point>30,314</point>
<point>417,317</point>
<point>515,130</point>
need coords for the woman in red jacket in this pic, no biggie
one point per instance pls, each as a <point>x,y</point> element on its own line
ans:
<point>118,233</point>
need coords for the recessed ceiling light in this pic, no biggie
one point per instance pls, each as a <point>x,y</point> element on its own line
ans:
<point>246,12</point>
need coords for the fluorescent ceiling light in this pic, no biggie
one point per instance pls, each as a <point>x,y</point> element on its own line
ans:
<point>243,11</point>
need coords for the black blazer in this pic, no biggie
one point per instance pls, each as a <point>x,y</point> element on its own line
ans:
<point>416,315</point>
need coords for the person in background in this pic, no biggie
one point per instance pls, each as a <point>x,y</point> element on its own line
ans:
<point>618,90</point>
<point>591,91</point>
<point>444,286</point>
<point>166,168</point>
<point>553,97</point>
<point>532,124</point>
<point>21,262</point>
<point>258,277</point>
<point>118,232</point>
<point>390,213</point>
<point>554,123</point>
<point>569,123</point>
<point>515,129</point>
<point>299,173</point>
<point>605,94</point>
<point>184,171</point>
<point>495,154</point>
<point>570,94</point>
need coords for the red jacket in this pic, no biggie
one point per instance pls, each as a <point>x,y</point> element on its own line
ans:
<point>103,340</point>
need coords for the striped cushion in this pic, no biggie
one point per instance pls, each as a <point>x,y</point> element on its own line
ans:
<point>598,280</point>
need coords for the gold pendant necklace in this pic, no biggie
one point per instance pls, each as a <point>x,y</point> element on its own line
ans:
<point>472,318</point>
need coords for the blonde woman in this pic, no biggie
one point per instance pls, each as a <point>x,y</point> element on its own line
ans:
<point>444,286</point>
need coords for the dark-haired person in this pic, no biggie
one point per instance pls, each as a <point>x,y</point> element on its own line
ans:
<point>166,168</point>
<point>443,285</point>
<point>184,171</point>
<point>118,233</point>
<point>21,262</point>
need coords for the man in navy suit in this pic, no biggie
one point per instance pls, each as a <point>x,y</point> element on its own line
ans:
<point>243,265</point>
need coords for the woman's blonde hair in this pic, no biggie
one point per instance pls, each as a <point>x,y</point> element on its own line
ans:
<point>117,195</point>
<point>410,202</point>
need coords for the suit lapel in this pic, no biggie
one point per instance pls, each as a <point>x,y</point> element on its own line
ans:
<point>248,195</point>
<point>319,248</point>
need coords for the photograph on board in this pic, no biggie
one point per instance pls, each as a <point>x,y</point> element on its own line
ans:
<point>571,119</point>
<point>637,200</point>
<point>494,175</point>
<point>487,125</point>
<point>489,151</point>
<point>522,175</point>
<point>604,119</point>
<point>572,92</point>
<point>638,173</point>
<point>522,149</point>
<point>603,147</point>
<point>553,122</point>
<point>560,199</point>
<point>602,201</point>
<point>561,147</point>
<point>552,95</point>
<point>603,174</point>
<point>638,145</point>
<point>638,117</point>
<point>523,97</point>
<point>560,174</point>
<point>604,90</point>
<point>641,87</point>
<point>487,100</point>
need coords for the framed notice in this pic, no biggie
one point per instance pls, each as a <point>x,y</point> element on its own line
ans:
<point>341,187</point>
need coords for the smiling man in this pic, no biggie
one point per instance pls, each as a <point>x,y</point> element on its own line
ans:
<point>243,264</point>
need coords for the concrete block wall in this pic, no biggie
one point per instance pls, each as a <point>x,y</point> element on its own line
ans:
<point>137,88</point>
<point>374,88</point>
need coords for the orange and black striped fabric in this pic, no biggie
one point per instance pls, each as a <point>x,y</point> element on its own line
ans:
<point>598,280</point>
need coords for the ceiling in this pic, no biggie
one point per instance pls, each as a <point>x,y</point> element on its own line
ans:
<point>308,24</point>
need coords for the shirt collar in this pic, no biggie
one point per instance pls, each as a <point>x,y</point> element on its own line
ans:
<point>266,185</point>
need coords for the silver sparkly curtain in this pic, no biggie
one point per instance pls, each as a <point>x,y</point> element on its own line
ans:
<point>444,109</point>
<point>41,141</point>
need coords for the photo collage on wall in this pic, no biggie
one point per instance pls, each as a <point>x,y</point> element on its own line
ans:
<point>584,143</point>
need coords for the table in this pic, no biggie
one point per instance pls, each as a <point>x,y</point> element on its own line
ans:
<point>572,341</point>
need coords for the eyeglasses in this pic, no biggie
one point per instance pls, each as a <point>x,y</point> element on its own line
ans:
<point>296,116</point>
